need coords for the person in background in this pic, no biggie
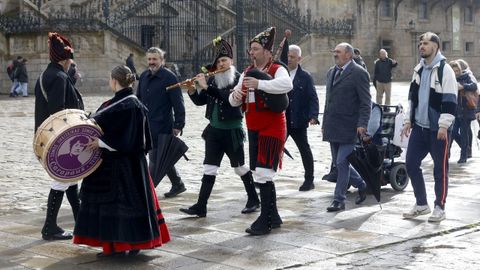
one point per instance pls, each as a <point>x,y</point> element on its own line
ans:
<point>130,64</point>
<point>301,112</point>
<point>22,77</point>
<point>462,132</point>
<point>357,57</point>
<point>382,76</point>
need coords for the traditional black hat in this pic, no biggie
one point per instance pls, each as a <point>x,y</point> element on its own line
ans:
<point>265,38</point>
<point>60,47</point>
<point>223,49</point>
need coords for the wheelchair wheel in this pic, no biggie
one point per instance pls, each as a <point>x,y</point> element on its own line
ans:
<point>398,176</point>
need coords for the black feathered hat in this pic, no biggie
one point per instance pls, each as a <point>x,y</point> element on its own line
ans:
<point>265,38</point>
<point>223,48</point>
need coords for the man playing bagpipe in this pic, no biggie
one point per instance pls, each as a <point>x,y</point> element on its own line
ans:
<point>259,84</point>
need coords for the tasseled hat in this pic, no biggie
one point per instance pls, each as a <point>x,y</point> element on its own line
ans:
<point>223,49</point>
<point>60,47</point>
<point>265,38</point>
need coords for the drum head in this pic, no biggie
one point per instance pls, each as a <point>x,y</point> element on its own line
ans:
<point>67,160</point>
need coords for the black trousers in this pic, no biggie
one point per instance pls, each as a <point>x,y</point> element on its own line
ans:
<point>219,142</point>
<point>299,136</point>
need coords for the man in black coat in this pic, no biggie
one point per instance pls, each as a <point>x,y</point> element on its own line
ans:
<point>346,114</point>
<point>224,134</point>
<point>166,109</point>
<point>54,91</point>
<point>302,111</point>
<point>382,76</point>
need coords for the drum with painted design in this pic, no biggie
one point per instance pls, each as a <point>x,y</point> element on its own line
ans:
<point>59,145</point>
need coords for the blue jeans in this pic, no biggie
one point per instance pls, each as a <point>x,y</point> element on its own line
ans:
<point>346,173</point>
<point>423,141</point>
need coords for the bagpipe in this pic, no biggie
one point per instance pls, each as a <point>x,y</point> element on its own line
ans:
<point>274,102</point>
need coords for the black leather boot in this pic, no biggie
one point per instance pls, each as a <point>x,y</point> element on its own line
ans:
<point>73,199</point>
<point>253,203</point>
<point>263,224</point>
<point>50,230</point>
<point>177,184</point>
<point>200,208</point>
<point>276,219</point>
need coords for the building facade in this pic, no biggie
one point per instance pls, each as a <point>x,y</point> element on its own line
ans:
<point>104,32</point>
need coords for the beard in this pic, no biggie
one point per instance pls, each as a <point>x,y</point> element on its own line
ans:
<point>226,78</point>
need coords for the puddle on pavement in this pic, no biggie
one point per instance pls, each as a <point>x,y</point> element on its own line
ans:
<point>426,249</point>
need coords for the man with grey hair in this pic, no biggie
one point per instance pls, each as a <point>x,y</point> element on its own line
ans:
<point>166,110</point>
<point>346,114</point>
<point>302,111</point>
<point>382,76</point>
<point>433,102</point>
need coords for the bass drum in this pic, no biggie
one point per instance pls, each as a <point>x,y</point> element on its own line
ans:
<point>60,142</point>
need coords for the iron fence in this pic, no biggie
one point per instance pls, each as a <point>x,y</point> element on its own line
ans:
<point>184,28</point>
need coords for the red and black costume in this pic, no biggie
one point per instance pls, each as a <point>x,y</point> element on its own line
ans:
<point>266,133</point>
<point>119,209</point>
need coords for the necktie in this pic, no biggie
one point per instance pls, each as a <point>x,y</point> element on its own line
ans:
<point>337,74</point>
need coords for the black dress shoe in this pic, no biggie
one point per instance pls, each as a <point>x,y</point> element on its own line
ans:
<point>306,186</point>
<point>330,177</point>
<point>362,195</point>
<point>58,236</point>
<point>194,210</point>
<point>175,190</point>
<point>462,160</point>
<point>336,206</point>
<point>248,210</point>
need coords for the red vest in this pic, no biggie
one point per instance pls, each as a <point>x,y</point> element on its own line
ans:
<point>259,104</point>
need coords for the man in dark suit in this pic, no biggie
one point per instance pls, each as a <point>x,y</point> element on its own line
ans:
<point>346,114</point>
<point>166,109</point>
<point>302,111</point>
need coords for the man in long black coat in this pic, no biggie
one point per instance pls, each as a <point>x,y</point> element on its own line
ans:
<point>54,92</point>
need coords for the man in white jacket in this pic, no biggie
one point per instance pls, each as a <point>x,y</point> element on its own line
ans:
<point>433,101</point>
<point>266,128</point>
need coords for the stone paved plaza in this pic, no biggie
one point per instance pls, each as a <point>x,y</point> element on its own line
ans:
<point>362,237</point>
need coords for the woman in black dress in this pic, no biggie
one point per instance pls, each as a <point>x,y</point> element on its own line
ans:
<point>119,209</point>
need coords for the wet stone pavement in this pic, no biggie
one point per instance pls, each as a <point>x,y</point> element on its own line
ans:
<point>362,237</point>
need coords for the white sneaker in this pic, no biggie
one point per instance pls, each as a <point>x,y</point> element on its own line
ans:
<point>416,211</point>
<point>437,215</point>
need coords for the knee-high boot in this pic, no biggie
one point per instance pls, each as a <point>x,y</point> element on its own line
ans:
<point>200,208</point>
<point>263,224</point>
<point>73,199</point>
<point>276,219</point>
<point>253,203</point>
<point>50,230</point>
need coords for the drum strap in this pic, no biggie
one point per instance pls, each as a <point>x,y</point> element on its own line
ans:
<point>41,87</point>
<point>111,105</point>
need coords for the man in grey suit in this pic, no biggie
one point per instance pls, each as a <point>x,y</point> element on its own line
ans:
<point>346,114</point>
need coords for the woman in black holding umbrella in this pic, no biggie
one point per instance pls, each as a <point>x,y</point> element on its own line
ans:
<point>119,208</point>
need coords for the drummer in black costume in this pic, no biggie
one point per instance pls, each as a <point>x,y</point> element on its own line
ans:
<point>54,92</point>
<point>224,134</point>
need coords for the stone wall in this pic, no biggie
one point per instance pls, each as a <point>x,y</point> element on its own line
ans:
<point>96,53</point>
